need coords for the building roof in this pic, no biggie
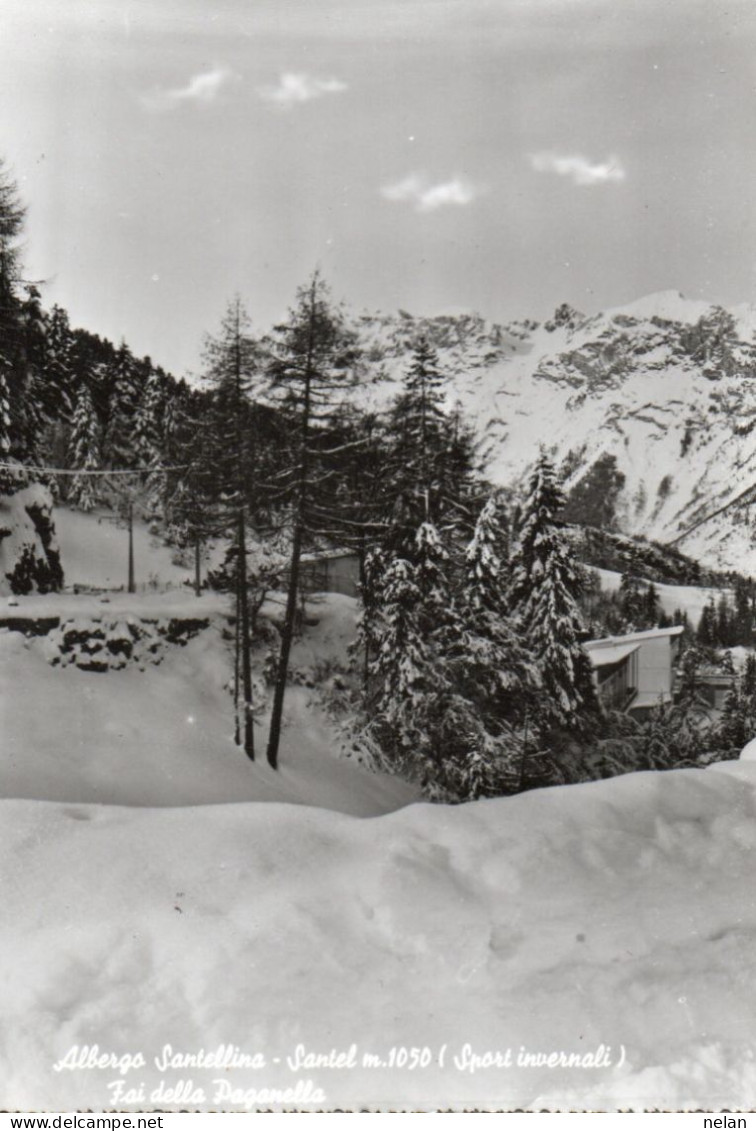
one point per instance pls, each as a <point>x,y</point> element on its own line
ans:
<point>648,634</point>
<point>327,555</point>
<point>604,653</point>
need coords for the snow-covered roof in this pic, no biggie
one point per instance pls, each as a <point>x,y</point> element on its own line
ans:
<point>604,655</point>
<point>649,634</point>
<point>327,555</point>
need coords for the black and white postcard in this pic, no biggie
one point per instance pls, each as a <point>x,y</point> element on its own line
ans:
<point>377,555</point>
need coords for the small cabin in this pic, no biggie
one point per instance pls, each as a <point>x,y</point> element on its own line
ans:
<point>634,672</point>
<point>331,571</point>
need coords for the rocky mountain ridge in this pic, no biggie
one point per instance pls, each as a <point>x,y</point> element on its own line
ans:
<point>649,409</point>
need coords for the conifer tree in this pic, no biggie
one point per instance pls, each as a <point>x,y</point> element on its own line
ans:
<point>421,417</point>
<point>748,682</point>
<point>84,451</point>
<point>707,633</point>
<point>631,600</point>
<point>485,558</point>
<point>537,516</point>
<point>369,621</point>
<point>127,429</point>
<point>733,728</point>
<point>12,333</point>
<point>41,397</point>
<point>58,349</point>
<point>52,444</point>
<point>553,624</point>
<point>6,475</point>
<point>491,638</point>
<point>432,568</point>
<point>651,606</point>
<point>430,459</point>
<point>402,660</point>
<point>312,359</point>
<point>454,683</point>
<point>743,614</point>
<point>543,597</point>
<point>195,511</point>
<point>147,438</point>
<point>725,635</point>
<point>232,364</point>
<point>689,696</point>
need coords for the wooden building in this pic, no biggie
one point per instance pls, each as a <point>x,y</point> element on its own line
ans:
<point>331,571</point>
<point>635,672</point>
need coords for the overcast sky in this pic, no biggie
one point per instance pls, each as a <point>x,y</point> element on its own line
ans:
<point>500,156</point>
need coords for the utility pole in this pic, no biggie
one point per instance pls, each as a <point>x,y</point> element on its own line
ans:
<point>243,597</point>
<point>130,515</point>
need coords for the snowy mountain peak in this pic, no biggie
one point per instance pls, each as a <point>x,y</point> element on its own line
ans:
<point>649,409</point>
<point>670,306</point>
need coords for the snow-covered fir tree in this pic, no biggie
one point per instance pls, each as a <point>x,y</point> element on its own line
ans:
<point>449,685</point>
<point>6,475</point>
<point>432,576</point>
<point>148,437</point>
<point>552,620</point>
<point>402,660</point>
<point>537,514</point>
<point>369,620</point>
<point>543,597</point>
<point>123,434</point>
<point>84,451</point>
<point>496,654</point>
<point>748,681</point>
<point>736,722</point>
<point>485,558</point>
<point>5,417</point>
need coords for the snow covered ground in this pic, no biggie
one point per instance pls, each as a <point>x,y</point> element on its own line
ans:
<point>613,922</point>
<point>164,736</point>
<point>94,551</point>
<point>589,946</point>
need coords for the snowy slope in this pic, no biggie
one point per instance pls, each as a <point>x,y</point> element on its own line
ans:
<point>690,599</point>
<point>558,921</point>
<point>164,735</point>
<point>94,551</point>
<point>664,385</point>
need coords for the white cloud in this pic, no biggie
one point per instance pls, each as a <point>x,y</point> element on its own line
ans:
<point>200,89</point>
<point>293,89</point>
<point>426,197</point>
<point>579,169</point>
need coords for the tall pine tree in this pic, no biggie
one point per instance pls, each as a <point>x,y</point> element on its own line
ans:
<point>543,597</point>
<point>312,361</point>
<point>85,451</point>
<point>232,366</point>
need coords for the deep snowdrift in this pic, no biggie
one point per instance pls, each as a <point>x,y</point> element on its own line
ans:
<point>618,913</point>
<point>164,735</point>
